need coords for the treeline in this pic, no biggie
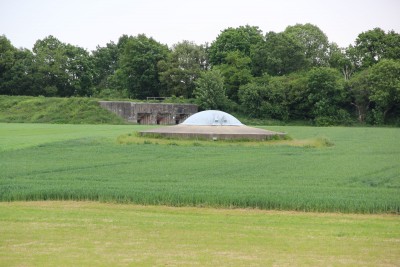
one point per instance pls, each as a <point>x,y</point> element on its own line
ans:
<point>296,74</point>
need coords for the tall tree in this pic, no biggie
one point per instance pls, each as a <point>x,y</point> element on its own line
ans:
<point>370,46</point>
<point>139,63</point>
<point>210,90</point>
<point>63,69</point>
<point>105,63</point>
<point>360,92</point>
<point>79,69</point>
<point>384,83</point>
<point>314,42</point>
<point>50,61</point>
<point>345,60</point>
<point>280,54</point>
<point>236,72</point>
<point>374,45</point>
<point>183,66</point>
<point>325,92</point>
<point>240,39</point>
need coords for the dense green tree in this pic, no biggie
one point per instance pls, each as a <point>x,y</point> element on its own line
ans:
<point>384,84</point>
<point>181,69</point>
<point>105,63</point>
<point>139,63</point>
<point>360,92</point>
<point>240,39</point>
<point>251,98</point>
<point>50,61</point>
<point>280,54</point>
<point>236,72</point>
<point>63,69</point>
<point>314,43</point>
<point>277,97</point>
<point>265,100</point>
<point>326,94</point>
<point>210,90</point>
<point>344,60</point>
<point>7,59</point>
<point>373,45</point>
<point>370,46</point>
<point>79,69</point>
<point>392,49</point>
<point>22,75</point>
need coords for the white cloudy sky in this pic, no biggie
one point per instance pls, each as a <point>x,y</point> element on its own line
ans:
<point>88,23</point>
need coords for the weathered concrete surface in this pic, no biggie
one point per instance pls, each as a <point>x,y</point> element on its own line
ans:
<point>213,132</point>
<point>150,113</point>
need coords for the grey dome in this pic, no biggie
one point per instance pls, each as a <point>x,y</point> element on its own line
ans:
<point>211,118</point>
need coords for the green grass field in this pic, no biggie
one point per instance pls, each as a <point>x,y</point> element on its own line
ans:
<point>359,174</point>
<point>98,234</point>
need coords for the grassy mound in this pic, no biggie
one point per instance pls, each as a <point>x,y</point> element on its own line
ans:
<point>55,110</point>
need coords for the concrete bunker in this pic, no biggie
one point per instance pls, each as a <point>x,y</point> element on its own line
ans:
<point>214,125</point>
<point>150,113</point>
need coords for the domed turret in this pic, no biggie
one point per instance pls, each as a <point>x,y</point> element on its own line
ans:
<point>212,118</point>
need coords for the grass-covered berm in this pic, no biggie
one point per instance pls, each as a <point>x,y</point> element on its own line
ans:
<point>359,173</point>
<point>74,110</point>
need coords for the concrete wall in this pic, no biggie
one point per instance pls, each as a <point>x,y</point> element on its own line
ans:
<point>150,113</point>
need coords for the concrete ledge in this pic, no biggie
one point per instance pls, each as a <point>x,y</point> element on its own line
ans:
<point>213,132</point>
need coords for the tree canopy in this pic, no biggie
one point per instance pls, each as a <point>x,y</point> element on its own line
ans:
<point>296,74</point>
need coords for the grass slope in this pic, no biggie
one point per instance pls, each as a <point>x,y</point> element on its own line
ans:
<point>360,173</point>
<point>95,234</point>
<point>55,110</point>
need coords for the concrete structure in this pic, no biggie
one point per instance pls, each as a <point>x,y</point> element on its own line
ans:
<point>214,125</point>
<point>150,113</point>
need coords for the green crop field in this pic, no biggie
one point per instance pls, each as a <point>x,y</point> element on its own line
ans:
<point>360,173</point>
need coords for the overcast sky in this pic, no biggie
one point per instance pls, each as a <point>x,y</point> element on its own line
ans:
<point>88,23</point>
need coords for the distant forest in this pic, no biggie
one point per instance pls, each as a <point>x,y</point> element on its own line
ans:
<point>297,74</point>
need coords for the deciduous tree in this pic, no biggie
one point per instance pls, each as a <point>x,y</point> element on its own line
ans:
<point>139,63</point>
<point>240,39</point>
<point>181,69</point>
<point>314,43</point>
<point>210,90</point>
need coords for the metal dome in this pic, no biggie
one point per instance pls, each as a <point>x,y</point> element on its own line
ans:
<point>212,118</point>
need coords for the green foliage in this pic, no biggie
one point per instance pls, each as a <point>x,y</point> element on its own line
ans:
<point>236,72</point>
<point>64,68</point>
<point>266,100</point>
<point>375,45</point>
<point>139,63</point>
<point>313,41</point>
<point>105,63</point>
<point>379,87</point>
<point>280,54</point>
<point>385,85</point>
<point>240,39</point>
<point>326,94</point>
<point>210,90</point>
<point>358,174</point>
<point>298,88</point>
<point>55,110</point>
<point>184,65</point>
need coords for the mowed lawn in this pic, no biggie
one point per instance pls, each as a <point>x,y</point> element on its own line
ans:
<point>67,233</point>
<point>359,174</point>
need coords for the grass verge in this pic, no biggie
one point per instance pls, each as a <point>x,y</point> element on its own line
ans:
<point>96,234</point>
